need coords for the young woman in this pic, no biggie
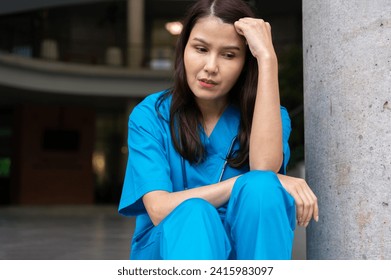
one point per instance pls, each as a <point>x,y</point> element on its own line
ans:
<point>207,157</point>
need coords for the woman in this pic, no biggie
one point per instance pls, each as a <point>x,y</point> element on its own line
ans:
<point>207,157</point>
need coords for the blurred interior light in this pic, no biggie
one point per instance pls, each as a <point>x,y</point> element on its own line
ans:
<point>175,27</point>
<point>99,163</point>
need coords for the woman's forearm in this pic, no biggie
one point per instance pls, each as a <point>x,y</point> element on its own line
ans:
<point>266,132</point>
<point>160,203</point>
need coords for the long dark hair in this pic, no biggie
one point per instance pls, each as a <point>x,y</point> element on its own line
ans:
<point>185,115</point>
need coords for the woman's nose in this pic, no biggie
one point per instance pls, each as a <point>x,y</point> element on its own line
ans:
<point>211,65</point>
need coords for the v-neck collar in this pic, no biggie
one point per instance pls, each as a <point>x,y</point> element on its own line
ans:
<point>224,131</point>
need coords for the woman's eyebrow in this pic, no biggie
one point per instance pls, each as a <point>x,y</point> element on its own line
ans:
<point>229,47</point>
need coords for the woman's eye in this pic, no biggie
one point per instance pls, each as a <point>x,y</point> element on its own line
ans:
<point>201,49</point>
<point>229,55</point>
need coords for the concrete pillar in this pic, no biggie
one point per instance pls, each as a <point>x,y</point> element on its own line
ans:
<point>347,100</point>
<point>135,33</point>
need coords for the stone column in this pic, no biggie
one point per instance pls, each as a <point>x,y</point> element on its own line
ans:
<point>135,33</point>
<point>347,101</point>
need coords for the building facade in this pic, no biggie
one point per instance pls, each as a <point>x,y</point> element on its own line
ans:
<point>70,74</point>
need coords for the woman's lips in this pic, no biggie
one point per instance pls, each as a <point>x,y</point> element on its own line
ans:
<point>207,83</point>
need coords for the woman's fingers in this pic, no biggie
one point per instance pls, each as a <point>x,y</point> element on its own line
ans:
<point>309,204</point>
<point>257,33</point>
<point>312,204</point>
<point>305,200</point>
<point>247,27</point>
<point>304,206</point>
<point>316,208</point>
<point>299,206</point>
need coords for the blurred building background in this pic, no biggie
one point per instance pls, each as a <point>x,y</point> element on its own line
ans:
<point>72,70</point>
<point>70,73</point>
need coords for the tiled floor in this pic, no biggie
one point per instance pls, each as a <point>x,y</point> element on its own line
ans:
<point>74,233</point>
<point>68,232</point>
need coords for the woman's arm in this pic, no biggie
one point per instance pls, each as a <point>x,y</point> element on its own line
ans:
<point>265,151</point>
<point>305,200</point>
<point>160,203</point>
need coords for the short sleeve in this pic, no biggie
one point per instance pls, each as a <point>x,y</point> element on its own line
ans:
<point>147,167</point>
<point>286,131</point>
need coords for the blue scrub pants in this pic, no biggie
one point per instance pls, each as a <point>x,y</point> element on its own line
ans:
<point>259,224</point>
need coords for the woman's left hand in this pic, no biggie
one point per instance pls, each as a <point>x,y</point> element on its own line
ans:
<point>305,199</point>
<point>257,33</point>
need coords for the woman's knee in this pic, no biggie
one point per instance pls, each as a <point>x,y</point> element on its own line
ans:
<point>258,182</point>
<point>198,205</point>
<point>193,210</point>
<point>257,186</point>
<point>194,230</point>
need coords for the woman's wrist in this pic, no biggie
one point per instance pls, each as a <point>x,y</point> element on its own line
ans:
<point>267,63</point>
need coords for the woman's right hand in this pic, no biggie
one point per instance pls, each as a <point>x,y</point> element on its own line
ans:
<point>305,199</point>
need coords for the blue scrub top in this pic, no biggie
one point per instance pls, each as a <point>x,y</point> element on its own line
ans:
<point>154,164</point>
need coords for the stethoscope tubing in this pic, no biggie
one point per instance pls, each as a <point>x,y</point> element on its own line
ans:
<point>184,174</point>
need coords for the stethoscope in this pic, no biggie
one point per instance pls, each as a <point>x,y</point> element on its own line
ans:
<point>185,185</point>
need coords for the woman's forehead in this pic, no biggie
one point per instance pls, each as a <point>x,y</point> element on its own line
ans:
<point>213,30</point>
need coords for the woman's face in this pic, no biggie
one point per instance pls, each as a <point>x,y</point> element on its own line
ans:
<point>214,57</point>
